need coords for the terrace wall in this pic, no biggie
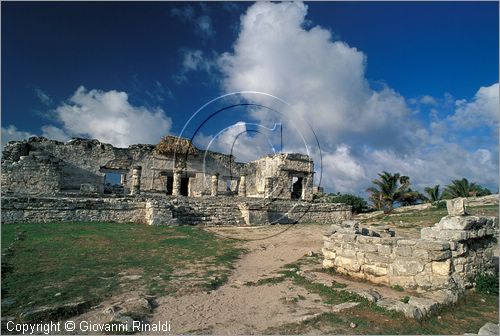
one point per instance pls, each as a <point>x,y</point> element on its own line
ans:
<point>164,210</point>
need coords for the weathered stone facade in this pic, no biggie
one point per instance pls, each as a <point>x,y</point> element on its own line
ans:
<point>448,255</point>
<point>40,166</point>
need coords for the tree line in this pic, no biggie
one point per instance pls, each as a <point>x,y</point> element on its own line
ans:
<point>390,189</point>
<point>394,189</point>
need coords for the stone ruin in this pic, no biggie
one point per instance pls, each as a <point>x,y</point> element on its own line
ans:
<point>440,265</point>
<point>170,183</point>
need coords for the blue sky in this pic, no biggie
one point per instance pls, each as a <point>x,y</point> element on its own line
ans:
<point>409,87</point>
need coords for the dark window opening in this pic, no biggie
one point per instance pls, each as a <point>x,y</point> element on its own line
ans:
<point>112,183</point>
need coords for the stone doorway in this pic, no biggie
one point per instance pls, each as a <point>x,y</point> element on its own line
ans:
<point>297,185</point>
<point>184,186</point>
<point>169,184</point>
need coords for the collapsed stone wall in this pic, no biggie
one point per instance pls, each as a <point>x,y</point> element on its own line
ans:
<point>85,162</point>
<point>81,165</point>
<point>448,255</point>
<point>155,210</point>
<point>35,173</point>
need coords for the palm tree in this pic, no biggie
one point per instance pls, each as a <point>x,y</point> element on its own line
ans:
<point>460,188</point>
<point>464,188</point>
<point>433,193</point>
<point>388,189</point>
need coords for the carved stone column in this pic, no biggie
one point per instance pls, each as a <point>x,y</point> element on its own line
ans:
<point>268,187</point>
<point>136,180</point>
<point>123,179</point>
<point>215,185</point>
<point>307,187</point>
<point>176,183</point>
<point>242,189</point>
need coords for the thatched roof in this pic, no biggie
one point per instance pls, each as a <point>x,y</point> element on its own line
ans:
<point>172,144</point>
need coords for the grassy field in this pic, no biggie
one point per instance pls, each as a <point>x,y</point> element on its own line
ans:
<point>58,263</point>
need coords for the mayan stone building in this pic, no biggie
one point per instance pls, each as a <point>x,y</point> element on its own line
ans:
<point>167,172</point>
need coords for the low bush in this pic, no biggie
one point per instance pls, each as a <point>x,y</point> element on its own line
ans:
<point>487,284</point>
<point>358,204</point>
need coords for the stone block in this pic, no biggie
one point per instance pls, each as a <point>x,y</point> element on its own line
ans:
<point>441,282</point>
<point>388,241</point>
<point>347,237</point>
<point>350,265</point>
<point>375,270</point>
<point>439,255</point>
<point>328,263</point>
<point>489,329</point>
<point>457,222</point>
<point>456,206</point>
<point>368,247</point>
<point>407,267</point>
<point>432,245</point>
<point>406,242</point>
<point>375,257</point>
<point>441,267</point>
<point>423,281</point>
<point>403,251</point>
<point>421,254</point>
<point>404,281</point>
<point>365,240</point>
<point>384,249</point>
<point>348,253</point>
<point>427,233</point>
<point>328,254</point>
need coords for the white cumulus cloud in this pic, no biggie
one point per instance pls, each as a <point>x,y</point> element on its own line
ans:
<point>109,117</point>
<point>323,79</point>
<point>362,130</point>
<point>11,133</point>
<point>483,110</point>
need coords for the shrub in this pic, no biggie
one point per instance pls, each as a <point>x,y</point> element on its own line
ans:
<point>440,204</point>
<point>405,299</point>
<point>487,284</point>
<point>358,203</point>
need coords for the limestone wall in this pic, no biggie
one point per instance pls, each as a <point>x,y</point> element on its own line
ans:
<point>447,256</point>
<point>163,210</point>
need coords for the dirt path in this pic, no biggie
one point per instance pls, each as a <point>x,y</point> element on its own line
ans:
<point>242,306</point>
<point>236,308</point>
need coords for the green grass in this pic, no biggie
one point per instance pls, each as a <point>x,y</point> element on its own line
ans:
<point>83,261</point>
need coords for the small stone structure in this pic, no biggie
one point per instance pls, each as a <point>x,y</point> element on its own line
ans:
<point>448,256</point>
<point>438,267</point>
